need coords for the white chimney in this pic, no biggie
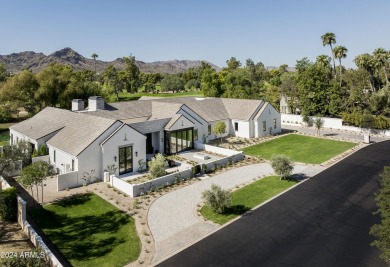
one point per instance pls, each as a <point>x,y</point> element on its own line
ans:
<point>77,105</point>
<point>95,103</point>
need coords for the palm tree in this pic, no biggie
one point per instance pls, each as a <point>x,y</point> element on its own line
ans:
<point>339,53</point>
<point>329,38</point>
<point>366,62</point>
<point>381,58</point>
<point>323,60</point>
<point>94,56</point>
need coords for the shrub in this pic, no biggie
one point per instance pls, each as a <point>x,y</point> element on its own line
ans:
<point>157,166</point>
<point>282,166</point>
<point>8,204</point>
<point>217,198</point>
<point>34,154</point>
<point>381,231</point>
<point>42,150</point>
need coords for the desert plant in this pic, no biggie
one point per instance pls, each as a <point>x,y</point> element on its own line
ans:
<point>217,198</point>
<point>282,166</point>
<point>157,166</point>
<point>88,177</point>
<point>142,165</point>
<point>111,169</point>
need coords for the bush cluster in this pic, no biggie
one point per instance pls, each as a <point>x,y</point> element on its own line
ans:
<point>380,122</point>
<point>217,198</point>
<point>381,231</point>
<point>8,204</point>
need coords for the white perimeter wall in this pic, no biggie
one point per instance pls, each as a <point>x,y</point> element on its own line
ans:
<point>68,180</point>
<point>291,119</point>
<point>110,149</point>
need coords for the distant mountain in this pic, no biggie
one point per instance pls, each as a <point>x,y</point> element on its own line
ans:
<point>67,56</point>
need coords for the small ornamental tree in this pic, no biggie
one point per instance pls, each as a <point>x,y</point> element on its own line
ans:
<point>35,174</point>
<point>319,123</point>
<point>219,129</point>
<point>217,198</point>
<point>157,166</point>
<point>282,166</point>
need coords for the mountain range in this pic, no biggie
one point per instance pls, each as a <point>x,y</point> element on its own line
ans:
<point>15,62</point>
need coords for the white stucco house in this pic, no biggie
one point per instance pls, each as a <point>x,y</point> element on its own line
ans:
<point>124,133</point>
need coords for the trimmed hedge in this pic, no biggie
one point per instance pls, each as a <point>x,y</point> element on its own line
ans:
<point>8,204</point>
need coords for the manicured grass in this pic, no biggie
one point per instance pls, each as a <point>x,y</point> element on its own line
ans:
<point>248,197</point>
<point>89,231</point>
<point>4,138</point>
<point>128,96</point>
<point>300,148</point>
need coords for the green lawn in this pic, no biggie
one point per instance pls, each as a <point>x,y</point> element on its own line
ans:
<point>128,96</point>
<point>248,197</point>
<point>300,148</point>
<point>89,231</point>
<point>4,138</point>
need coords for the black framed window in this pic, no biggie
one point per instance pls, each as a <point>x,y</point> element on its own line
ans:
<point>274,123</point>
<point>264,126</point>
<point>54,156</point>
<point>236,126</point>
<point>209,129</point>
<point>196,134</point>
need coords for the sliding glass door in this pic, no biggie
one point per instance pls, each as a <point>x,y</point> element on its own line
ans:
<point>125,159</point>
<point>180,140</point>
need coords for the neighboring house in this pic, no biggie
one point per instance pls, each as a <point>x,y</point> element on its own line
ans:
<point>124,133</point>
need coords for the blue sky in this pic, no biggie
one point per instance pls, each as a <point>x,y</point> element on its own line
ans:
<point>274,32</point>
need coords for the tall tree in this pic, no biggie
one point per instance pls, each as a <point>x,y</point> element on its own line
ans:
<point>340,52</point>
<point>233,64</point>
<point>132,74</point>
<point>323,60</point>
<point>111,79</point>
<point>94,56</point>
<point>366,62</point>
<point>3,73</point>
<point>329,38</point>
<point>381,57</point>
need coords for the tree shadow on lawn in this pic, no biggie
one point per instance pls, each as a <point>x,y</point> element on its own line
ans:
<point>84,237</point>
<point>72,200</point>
<point>235,210</point>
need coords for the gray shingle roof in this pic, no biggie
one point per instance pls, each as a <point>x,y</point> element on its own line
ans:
<point>76,130</point>
<point>242,109</point>
<point>150,126</point>
<point>45,122</point>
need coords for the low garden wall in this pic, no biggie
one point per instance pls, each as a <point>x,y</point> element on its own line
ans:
<point>41,158</point>
<point>217,150</point>
<point>121,185</point>
<point>67,180</point>
<point>135,190</point>
<point>138,189</point>
<point>32,234</point>
<point>28,229</point>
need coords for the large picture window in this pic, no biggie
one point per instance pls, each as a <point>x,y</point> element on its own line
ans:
<point>177,141</point>
<point>125,159</point>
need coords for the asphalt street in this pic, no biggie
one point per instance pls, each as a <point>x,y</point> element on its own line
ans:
<point>323,222</point>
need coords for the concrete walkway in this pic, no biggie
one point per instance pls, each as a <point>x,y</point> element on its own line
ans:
<point>172,219</point>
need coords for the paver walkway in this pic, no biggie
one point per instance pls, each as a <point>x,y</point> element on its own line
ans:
<point>171,217</point>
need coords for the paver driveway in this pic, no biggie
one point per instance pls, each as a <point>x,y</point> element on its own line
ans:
<point>171,217</point>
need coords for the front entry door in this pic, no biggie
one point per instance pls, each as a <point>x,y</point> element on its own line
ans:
<point>125,159</point>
